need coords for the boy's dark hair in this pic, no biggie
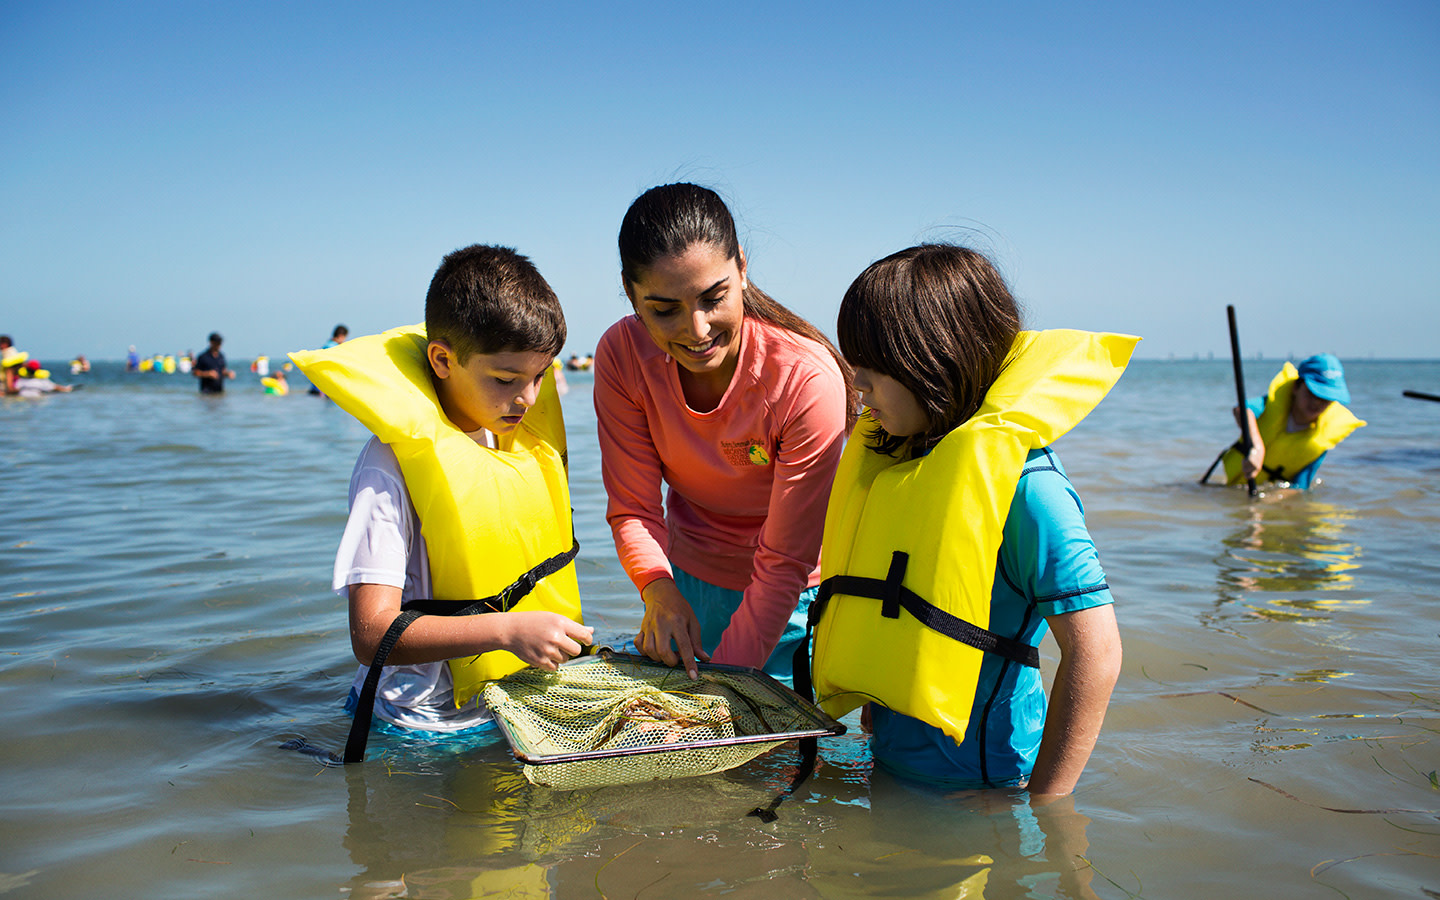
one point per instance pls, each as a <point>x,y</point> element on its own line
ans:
<point>940,320</point>
<point>486,299</point>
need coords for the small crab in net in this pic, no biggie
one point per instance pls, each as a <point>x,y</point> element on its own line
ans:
<point>649,713</point>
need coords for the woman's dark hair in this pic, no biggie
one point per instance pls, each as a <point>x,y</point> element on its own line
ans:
<point>670,219</point>
<point>940,320</point>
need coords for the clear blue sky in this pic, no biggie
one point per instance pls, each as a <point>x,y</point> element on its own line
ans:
<point>269,170</point>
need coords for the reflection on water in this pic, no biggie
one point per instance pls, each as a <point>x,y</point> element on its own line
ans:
<point>462,830</point>
<point>919,842</point>
<point>1281,550</point>
<point>476,828</point>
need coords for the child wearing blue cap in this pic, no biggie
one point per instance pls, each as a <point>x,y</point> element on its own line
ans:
<point>1300,418</point>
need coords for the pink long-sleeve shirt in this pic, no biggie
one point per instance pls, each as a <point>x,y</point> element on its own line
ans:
<point>748,481</point>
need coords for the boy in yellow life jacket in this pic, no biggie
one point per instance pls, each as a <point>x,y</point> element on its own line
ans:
<point>1301,418</point>
<point>457,556</point>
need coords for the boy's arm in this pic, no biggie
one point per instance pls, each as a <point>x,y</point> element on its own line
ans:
<point>1089,643</point>
<point>1251,465</point>
<point>541,639</point>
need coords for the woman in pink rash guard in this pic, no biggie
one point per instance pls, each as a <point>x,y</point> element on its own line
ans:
<point>739,406</point>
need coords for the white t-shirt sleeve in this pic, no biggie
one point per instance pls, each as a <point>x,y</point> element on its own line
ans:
<point>382,542</point>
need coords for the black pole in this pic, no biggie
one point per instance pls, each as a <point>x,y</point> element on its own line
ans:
<point>1240,390</point>
<point>1420,395</point>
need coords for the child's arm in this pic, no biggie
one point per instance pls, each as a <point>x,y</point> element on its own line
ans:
<point>1089,643</point>
<point>542,639</point>
<point>1251,465</point>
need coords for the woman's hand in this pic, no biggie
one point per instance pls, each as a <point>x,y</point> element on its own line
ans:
<point>670,625</point>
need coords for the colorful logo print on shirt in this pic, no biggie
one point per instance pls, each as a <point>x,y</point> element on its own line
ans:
<point>745,453</point>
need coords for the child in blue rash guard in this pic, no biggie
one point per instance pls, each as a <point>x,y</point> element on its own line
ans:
<point>951,467</point>
<point>1047,567</point>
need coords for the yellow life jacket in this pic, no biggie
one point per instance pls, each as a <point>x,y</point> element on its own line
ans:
<point>923,534</point>
<point>274,385</point>
<point>1288,452</point>
<point>488,516</point>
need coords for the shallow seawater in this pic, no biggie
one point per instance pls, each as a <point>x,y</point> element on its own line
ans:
<point>166,624</point>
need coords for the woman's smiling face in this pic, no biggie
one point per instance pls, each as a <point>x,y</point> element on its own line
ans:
<point>692,306</point>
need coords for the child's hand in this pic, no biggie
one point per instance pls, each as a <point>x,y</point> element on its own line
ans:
<point>545,639</point>
<point>1250,466</point>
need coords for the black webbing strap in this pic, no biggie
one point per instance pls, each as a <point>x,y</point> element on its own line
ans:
<point>365,708</point>
<point>501,602</point>
<point>894,596</point>
<point>800,680</point>
<point>1206,477</point>
<point>800,662</point>
<point>1277,474</point>
<point>507,598</point>
<point>809,750</point>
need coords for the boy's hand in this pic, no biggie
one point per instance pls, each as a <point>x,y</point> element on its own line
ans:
<point>669,624</point>
<point>1251,465</point>
<point>545,639</point>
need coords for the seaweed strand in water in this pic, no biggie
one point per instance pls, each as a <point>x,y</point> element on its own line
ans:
<point>1368,812</point>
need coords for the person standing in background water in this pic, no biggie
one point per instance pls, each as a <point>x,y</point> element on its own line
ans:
<point>1300,419</point>
<point>736,403</point>
<point>337,337</point>
<point>210,367</point>
<point>11,360</point>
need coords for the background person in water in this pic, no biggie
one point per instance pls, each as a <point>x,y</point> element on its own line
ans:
<point>1294,425</point>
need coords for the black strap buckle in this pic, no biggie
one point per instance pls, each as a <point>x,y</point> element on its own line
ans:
<point>501,602</point>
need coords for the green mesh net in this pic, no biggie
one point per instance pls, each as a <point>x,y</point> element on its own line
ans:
<point>619,719</point>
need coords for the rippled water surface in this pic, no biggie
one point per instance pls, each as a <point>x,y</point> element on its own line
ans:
<point>166,624</point>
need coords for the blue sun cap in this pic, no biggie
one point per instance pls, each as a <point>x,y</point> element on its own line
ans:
<point>1325,377</point>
